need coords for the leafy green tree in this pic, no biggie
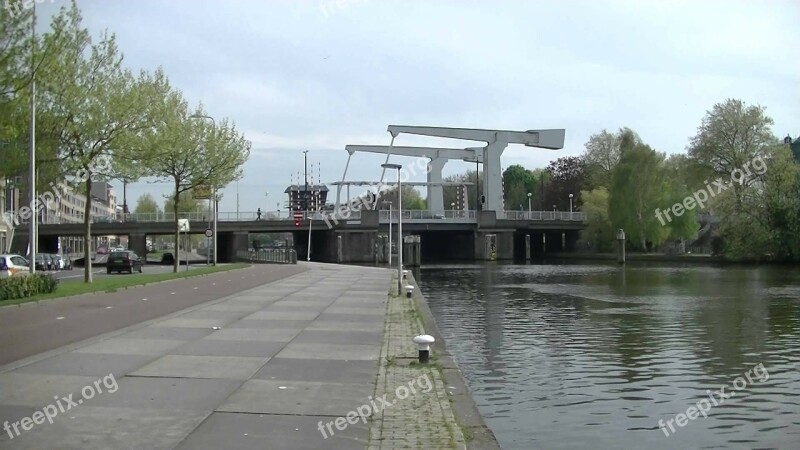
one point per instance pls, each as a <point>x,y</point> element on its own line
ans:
<point>598,232</point>
<point>186,151</point>
<point>186,204</point>
<point>518,182</point>
<point>93,103</point>
<point>567,175</point>
<point>146,204</point>
<point>731,135</point>
<point>637,190</point>
<point>601,156</point>
<point>781,194</point>
<point>411,198</point>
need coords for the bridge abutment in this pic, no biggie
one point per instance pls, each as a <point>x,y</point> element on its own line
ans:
<point>138,243</point>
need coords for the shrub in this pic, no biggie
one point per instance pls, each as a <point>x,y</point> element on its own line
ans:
<point>22,286</point>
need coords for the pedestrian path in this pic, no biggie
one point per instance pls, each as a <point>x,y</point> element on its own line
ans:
<point>314,360</point>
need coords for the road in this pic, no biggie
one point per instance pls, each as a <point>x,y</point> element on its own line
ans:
<point>76,274</point>
<point>33,328</point>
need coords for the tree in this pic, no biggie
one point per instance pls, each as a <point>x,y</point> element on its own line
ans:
<point>518,182</point>
<point>186,204</point>
<point>94,103</point>
<point>637,190</point>
<point>731,135</point>
<point>146,204</point>
<point>567,176</point>
<point>598,232</point>
<point>186,151</point>
<point>412,200</point>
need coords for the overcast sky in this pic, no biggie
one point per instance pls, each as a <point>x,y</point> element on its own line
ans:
<point>317,75</point>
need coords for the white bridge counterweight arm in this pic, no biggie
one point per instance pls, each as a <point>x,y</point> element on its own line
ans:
<point>551,139</point>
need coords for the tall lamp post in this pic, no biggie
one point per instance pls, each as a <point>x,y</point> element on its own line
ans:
<point>390,230</point>
<point>570,206</point>
<point>399,226</point>
<point>529,205</point>
<point>214,187</point>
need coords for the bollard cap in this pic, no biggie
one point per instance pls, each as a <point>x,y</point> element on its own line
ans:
<point>409,287</point>
<point>405,272</point>
<point>424,339</point>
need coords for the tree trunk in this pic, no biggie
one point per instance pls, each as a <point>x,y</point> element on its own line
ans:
<point>87,231</point>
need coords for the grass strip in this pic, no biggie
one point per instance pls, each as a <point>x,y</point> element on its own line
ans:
<point>114,283</point>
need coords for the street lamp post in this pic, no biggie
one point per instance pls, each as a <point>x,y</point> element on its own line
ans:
<point>214,187</point>
<point>390,231</point>
<point>529,205</point>
<point>570,206</point>
<point>399,226</point>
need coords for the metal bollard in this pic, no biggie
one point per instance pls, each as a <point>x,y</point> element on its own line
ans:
<point>424,342</point>
<point>405,274</point>
<point>409,291</point>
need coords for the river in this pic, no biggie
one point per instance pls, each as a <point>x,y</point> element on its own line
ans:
<point>572,356</point>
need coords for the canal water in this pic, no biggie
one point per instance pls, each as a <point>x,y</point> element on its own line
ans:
<point>574,356</point>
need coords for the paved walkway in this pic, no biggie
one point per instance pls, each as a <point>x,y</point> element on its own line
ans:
<point>291,364</point>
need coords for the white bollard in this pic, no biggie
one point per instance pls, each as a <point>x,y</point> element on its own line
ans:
<point>409,291</point>
<point>424,342</point>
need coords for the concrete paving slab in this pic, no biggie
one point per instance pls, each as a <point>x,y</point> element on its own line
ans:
<point>229,316</point>
<point>348,337</point>
<point>192,366</point>
<point>293,305</point>
<point>267,314</point>
<point>147,393</point>
<point>38,390</point>
<point>349,352</point>
<point>217,347</point>
<point>128,346</point>
<point>334,325</point>
<point>233,431</point>
<point>256,334</point>
<point>233,306</point>
<point>177,333</point>
<point>89,364</point>
<point>297,397</point>
<point>366,310</point>
<point>183,322</point>
<point>99,428</point>
<point>269,324</point>
<point>320,370</point>
<point>358,318</point>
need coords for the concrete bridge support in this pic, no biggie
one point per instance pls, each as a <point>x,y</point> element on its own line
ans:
<point>138,243</point>
<point>237,241</point>
<point>344,247</point>
<point>494,245</point>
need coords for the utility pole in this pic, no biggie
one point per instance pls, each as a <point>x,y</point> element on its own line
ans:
<point>33,233</point>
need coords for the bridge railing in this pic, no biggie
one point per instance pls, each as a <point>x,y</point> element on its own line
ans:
<point>545,215</point>
<point>269,255</point>
<point>445,216</point>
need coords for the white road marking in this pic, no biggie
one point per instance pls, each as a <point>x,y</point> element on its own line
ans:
<point>60,318</point>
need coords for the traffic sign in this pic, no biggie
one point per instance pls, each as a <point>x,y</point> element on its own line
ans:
<point>209,232</point>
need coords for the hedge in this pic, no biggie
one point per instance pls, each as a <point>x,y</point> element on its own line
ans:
<point>22,286</point>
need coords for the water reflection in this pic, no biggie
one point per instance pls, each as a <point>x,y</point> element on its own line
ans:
<point>573,356</point>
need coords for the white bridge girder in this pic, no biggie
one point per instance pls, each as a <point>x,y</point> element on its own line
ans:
<point>496,142</point>
<point>438,158</point>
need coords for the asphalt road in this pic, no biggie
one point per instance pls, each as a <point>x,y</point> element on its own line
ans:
<point>33,328</point>
<point>76,274</point>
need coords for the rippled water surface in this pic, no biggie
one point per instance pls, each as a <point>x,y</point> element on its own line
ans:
<point>592,356</point>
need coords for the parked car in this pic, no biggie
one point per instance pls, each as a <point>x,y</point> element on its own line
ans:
<point>41,261</point>
<point>13,265</point>
<point>126,261</point>
<point>50,263</point>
